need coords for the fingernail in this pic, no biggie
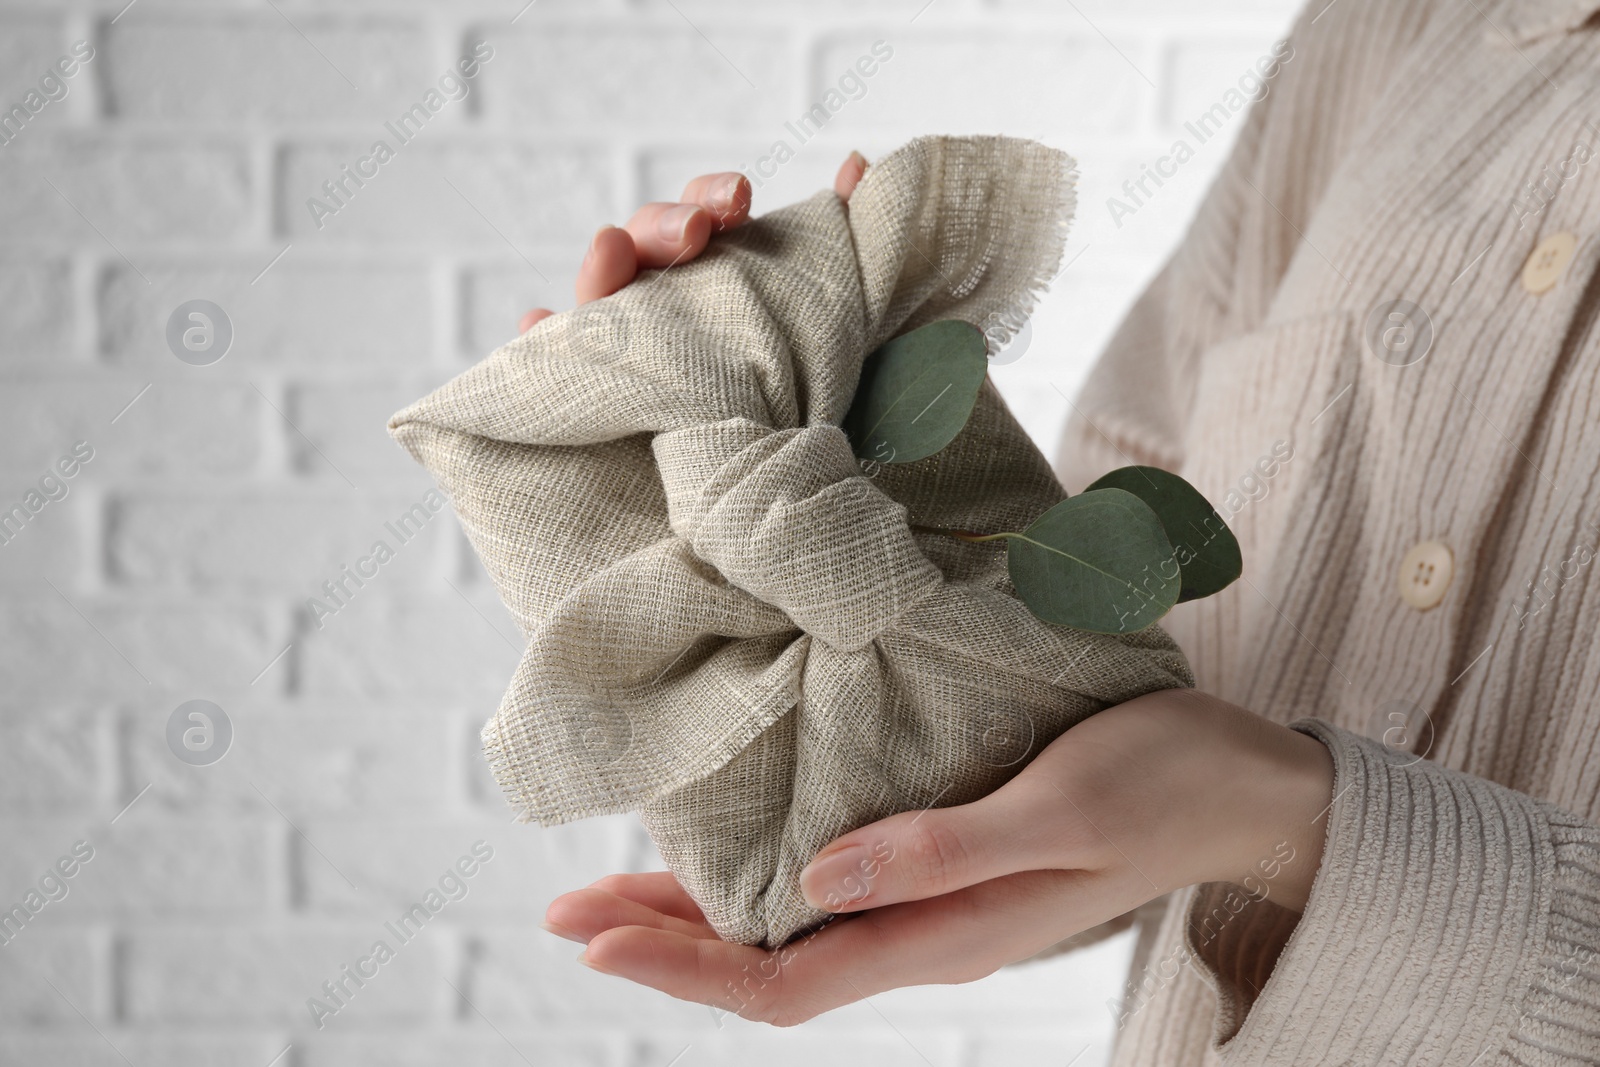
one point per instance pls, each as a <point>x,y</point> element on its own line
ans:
<point>593,966</point>
<point>562,931</point>
<point>674,222</point>
<point>859,158</point>
<point>594,241</point>
<point>726,194</point>
<point>836,878</point>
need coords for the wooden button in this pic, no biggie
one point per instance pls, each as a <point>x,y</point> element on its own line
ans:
<point>1425,574</point>
<point>1548,260</point>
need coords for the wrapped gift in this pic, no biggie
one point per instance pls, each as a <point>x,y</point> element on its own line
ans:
<point>736,626</point>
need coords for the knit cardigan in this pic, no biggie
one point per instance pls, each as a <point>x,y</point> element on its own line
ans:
<point>1420,151</point>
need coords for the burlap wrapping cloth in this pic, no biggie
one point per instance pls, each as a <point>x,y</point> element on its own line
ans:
<point>731,625</point>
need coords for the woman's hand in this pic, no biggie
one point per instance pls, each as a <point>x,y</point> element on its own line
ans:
<point>662,235</point>
<point>1169,790</point>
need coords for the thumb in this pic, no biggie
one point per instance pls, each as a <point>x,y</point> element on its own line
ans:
<point>920,854</point>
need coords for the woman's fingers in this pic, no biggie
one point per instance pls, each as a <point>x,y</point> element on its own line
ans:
<point>626,900</point>
<point>725,195</point>
<point>610,263</point>
<point>664,235</point>
<point>668,234</point>
<point>581,915</point>
<point>957,938</point>
<point>849,176</point>
<point>658,235</point>
<point>654,889</point>
<point>689,968</point>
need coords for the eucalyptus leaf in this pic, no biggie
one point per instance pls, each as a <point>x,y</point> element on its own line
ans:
<point>1094,562</point>
<point>917,392</point>
<point>1205,550</point>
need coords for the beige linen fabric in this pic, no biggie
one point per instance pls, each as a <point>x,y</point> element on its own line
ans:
<point>1455,919</point>
<point>731,624</point>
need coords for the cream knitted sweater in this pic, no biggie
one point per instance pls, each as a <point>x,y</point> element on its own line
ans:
<point>1419,505</point>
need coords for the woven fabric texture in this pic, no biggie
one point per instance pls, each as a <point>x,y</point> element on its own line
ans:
<point>734,626</point>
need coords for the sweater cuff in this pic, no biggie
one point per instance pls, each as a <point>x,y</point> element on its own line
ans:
<point>1424,930</point>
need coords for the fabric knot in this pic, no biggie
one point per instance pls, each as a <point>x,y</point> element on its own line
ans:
<point>787,516</point>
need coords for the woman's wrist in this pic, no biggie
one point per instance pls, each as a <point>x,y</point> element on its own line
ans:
<point>1290,809</point>
<point>1243,800</point>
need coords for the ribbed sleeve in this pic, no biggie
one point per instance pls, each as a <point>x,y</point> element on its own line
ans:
<point>1452,921</point>
<point>1560,1018</point>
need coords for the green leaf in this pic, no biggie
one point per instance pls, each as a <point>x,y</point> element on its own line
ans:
<point>1205,549</point>
<point>1094,562</point>
<point>917,392</point>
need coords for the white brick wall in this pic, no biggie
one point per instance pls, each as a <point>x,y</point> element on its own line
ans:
<point>179,562</point>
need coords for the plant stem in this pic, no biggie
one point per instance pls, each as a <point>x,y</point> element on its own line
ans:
<point>964,535</point>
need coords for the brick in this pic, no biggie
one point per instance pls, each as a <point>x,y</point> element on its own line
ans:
<point>173,428</point>
<point>436,646</point>
<point>193,976</point>
<point>495,297</point>
<point>161,188</point>
<point>179,867</point>
<point>504,191</point>
<point>322,761</point>
<point>181,428</point>
<point>52,760</point>
<point>1013,83</point>
<point>49,542</point>
<point>1201,74</point>
<point>508,1048</point>
<point>361,313</point>
<point>29,46</point>
<point>258,66</point>
<point>346,424</point>
<point>31,962</point>
<point>727,78</point>
<point>293,544</point>
<point>81,1047</point>
<point>49,652</point>
<point>401,861</point>
<point>37,329</point>
<point>192,645</point>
